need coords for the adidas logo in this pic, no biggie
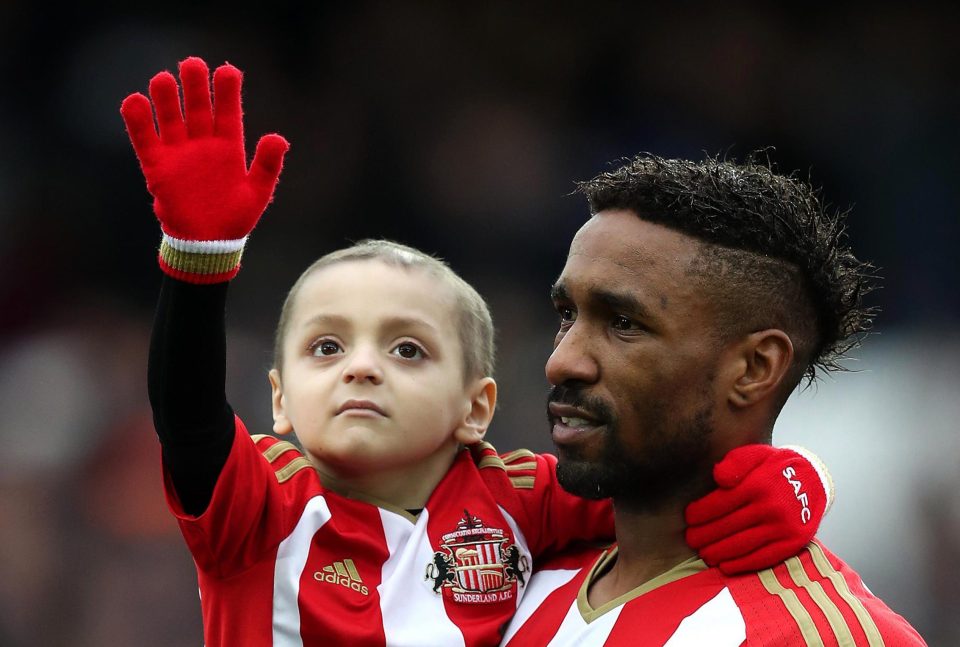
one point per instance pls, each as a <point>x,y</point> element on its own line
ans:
<point>343,573</point>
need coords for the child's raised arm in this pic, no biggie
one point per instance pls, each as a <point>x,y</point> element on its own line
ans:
<point>207,202</point>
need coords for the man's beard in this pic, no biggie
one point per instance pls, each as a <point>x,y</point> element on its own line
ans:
<point>673,463</point>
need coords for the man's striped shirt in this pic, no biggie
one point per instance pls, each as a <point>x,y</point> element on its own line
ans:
<point>812,599</point>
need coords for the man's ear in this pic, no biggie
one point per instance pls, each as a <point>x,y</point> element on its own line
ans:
<point>281,424</point>
<point>761,362</point>
<point>483,401</point>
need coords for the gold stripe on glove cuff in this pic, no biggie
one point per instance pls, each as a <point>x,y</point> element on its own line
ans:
<point>199,263</point>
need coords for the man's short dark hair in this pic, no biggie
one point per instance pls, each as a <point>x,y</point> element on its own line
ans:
<point>772,254</point>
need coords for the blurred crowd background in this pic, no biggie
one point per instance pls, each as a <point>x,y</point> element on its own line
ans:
<point>460,130</point>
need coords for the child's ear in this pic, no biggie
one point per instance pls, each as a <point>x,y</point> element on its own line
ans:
<point>483,401</point>
<point>281,424</point>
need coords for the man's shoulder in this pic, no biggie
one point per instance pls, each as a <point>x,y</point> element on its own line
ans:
<point>816,597</point>
<point>813,598</point>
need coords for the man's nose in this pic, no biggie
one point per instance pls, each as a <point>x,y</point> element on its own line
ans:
<point>573,358</point>
<point>363,365</point>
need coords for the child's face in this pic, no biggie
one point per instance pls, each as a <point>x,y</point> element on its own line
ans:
<point>372,375</point>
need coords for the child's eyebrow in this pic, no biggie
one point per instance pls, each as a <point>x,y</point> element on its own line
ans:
<point>400,322</point>
<point>327,320</point>
<point>388,323</point>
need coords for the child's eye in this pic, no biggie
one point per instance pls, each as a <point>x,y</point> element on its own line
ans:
<point>408,350</point>
<point>325,347</point>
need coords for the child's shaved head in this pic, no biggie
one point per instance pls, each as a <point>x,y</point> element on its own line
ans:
<point>470,310</point>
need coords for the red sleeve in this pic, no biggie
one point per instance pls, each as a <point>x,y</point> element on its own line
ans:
<point>815,598</point>
<point>255,504</point>
<point>893,627</point>
<point>550,518</point>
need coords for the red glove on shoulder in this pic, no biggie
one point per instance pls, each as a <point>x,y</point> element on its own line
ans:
<point>768,504</point>
<point>205,198</point>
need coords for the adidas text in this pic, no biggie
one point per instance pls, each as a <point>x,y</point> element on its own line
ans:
<point>343,573</point>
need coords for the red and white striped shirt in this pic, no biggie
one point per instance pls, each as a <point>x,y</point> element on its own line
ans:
<point>811,599</point>
<point>283,561</point>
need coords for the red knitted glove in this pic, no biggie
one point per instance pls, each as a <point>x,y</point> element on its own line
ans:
<point>206,200</point>
<point>768,504</point>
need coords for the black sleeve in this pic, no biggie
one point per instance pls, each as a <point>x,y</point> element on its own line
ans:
<point>185,378</point>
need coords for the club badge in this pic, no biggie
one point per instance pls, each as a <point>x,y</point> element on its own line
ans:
<point>477,564</point>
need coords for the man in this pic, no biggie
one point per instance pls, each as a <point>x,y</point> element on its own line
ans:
<point>693,301</point>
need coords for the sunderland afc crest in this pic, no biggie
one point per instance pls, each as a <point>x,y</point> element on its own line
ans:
<point>477,563</point>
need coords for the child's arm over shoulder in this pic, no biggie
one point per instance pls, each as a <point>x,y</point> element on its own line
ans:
<point>207,202</point>
<point>567,519</point>
<point>551,518</point>
<point>768,505</point>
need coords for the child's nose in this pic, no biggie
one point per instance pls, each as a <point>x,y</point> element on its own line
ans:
<point>363,365</point>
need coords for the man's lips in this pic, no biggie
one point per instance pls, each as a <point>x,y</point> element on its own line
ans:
<point>364,408</point>
<point>571,423</point>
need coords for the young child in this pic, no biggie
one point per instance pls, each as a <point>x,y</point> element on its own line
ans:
<point>396,524</point>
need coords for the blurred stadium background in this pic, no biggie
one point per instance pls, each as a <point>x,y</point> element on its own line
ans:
<point>458,130</point>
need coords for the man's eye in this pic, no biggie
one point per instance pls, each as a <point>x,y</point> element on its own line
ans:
<point>326,347</point>
<point>566,313</point>
<point>621,322</point>
<point>408,350</point>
